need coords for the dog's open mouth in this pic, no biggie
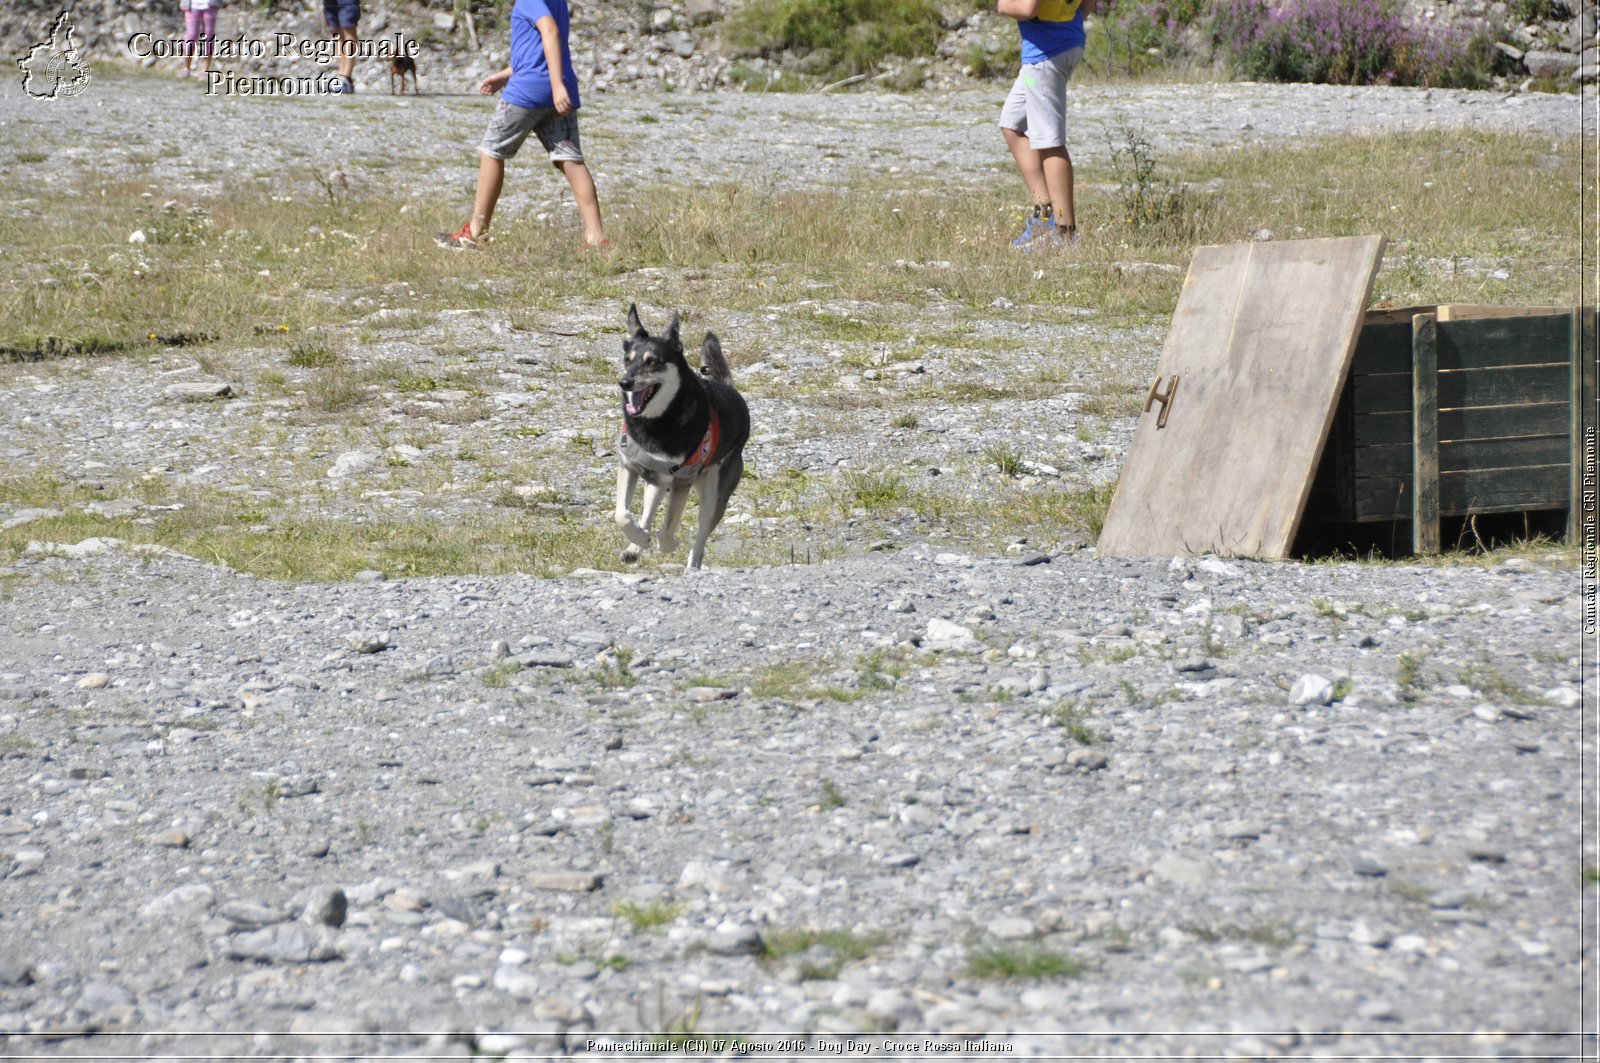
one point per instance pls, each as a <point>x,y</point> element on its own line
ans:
<point>637,399</point>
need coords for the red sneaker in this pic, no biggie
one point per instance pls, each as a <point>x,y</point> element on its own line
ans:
<point>461,240</point>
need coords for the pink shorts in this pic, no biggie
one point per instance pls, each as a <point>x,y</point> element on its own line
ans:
<point>201,25</point>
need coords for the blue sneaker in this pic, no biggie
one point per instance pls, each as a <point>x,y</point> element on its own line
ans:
<point>1039,227</point>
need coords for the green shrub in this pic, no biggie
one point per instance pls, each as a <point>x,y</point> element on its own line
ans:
<point>1347,42</point>
<point>838,38</point>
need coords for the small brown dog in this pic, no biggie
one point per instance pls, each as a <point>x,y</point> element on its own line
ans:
<point>399,67</point>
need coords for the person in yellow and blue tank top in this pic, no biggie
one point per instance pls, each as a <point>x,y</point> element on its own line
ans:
<point>1034,117</point>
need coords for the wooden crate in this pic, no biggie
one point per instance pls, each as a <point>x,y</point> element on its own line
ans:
<point>1455,411</point>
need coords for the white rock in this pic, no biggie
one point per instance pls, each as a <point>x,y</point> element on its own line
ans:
<point>1181,871</point>
<point>1311,689</point>
<point>352,462</point>
<point>951,637</point>
<point>195,897</point>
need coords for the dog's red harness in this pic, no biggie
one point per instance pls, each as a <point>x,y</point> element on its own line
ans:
<point>701,456</point>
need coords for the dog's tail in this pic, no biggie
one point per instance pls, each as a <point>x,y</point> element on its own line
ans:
<point>712,363</point>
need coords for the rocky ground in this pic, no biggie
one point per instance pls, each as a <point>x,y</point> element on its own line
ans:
<point>1042,800</point>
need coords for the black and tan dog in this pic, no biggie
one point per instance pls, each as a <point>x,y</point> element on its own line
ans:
<point>399,67</point>
<point>680,429</point>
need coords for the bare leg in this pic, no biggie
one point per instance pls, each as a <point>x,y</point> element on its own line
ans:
<point>346,36</point>
<point>1057,174</point>
<point>1029,164</point>
<point>582,182</point>
<point>491,178</point>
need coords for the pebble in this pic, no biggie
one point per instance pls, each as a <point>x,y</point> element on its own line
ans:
<point>734,939</point>
<point>283,943</point>
<point>565,881</point>
<point>949,637</point>
<point>1311,689</point>
<point>325,906</point>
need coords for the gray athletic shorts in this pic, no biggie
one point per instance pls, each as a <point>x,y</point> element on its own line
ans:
<point>1037,105</point>
<point>511,125</point>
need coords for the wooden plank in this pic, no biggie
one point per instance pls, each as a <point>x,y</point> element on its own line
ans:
<point>1515,386</point>
<point>1585,426</point>
<point>1425,435</point>
<point>1490,422</point>
<point>1462,455</point>
<point>1533,340</point>
<point>1395,315</point>
<point>1469,311</point>
<point>1342,446</point>
<point>1261,339</point>
<point>1482,344</point>
<point>1384,347</point>
<point>1462,493</point>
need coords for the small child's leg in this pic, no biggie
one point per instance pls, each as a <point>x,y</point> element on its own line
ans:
<point>583,190</point>
<point>491,178</point>
<point>1029,165</point>
<point>1056,166</point>
<point>191,32</point>
<point>208,34</point>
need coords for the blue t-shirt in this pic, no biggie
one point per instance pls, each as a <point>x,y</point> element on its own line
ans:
<point>1057,27</point>
<point>530,74</point>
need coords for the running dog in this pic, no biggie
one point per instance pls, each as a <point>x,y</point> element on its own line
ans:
<point>680,429</point>
<point>399,67</point>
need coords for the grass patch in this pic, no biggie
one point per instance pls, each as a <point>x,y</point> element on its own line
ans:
<point>244,276</point>
<point>1410,679</point>
<point>1270,935</point>
<point>794,681</point>
<point>311,356</point>
<point>222,530</point>
<point>874,490</point>
<point>643,917</point>
<point>1007,459</point>
<point>1019,963</point>
<point>1073,719</point>
<point>1491,682</point>
<point>847,946</point>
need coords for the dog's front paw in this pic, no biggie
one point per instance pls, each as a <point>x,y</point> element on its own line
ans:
<point>630,554</point>
<point>633,533</point>
<point>667,541</point>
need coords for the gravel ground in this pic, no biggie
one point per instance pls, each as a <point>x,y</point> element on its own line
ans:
<point>1046,801</point>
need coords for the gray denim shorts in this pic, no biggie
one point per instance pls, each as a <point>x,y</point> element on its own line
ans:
<point>1037,105</point>
<point>511,125</point>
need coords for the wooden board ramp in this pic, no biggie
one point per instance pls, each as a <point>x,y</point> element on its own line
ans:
<point>1250,376</point>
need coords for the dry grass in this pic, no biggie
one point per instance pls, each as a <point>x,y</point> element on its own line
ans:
<point>243,281</point>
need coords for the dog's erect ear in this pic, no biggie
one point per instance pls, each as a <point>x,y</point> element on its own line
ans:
<point>635,328</point>
<point>712,363</point>
<point>672,329</point>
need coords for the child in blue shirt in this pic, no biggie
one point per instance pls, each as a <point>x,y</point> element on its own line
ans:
<point>1034,117</point>
<point>539,94</point>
